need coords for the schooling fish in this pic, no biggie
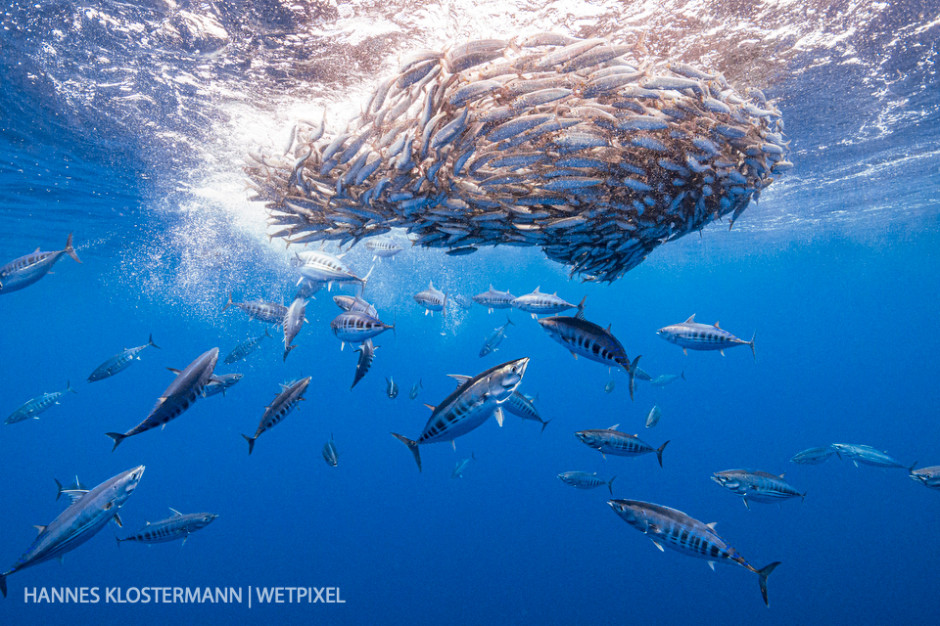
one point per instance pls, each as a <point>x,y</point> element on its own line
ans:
<point>269,312</point>
<point>614,442</point>
<point>179,396</point>
<point>927,476</point>
<point>524,407</point>
<point>493,299</point>
<point>496,337</point>
<point>220,384</point>
<point>391,388</point>
<point>79,522</point>
<point>32,408</point>
<point>467,407</point>
<point>245,348</point>
<point>382,248</point>
<point>653,417</point>
<point>356,327</point>
<point>674,529</point>
<point>538,303</point>
<point>26,270</point>
<point>585,480</point>
<point>414,390</point>
<point>462,466</point>
<point>664,379</point>
<point>757,486</point>
<point>330,455</point>
<point>280,407</point>
<point>356,304</point>
<point>293,321</point>
<point>119,362</point>
<point>867,455</point>
<point>813,456</point>
<point>323,267</point>
<point>177,526</point>
<point>694,336</point>
<point>366,356</point>
<point>431,299</point>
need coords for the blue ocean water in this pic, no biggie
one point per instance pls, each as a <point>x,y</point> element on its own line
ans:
<point>128,142</point>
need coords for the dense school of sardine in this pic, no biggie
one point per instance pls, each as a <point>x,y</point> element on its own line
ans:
<point>577,146</point>
<point>593,151</point>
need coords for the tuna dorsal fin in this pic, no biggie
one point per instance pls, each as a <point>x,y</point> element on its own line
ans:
<point>430,406</point>
<point>716,323</point>
<point>39,527</point>
<point>499,416</point>
<point>712,525</point>
<point>614,427</point>
<point>430,285</point>
<point>537,289</point>
<point>690,320</point>
<point>460,378</point>
<point>146,523</point>
<point>174,370</point>
<point>37,250</point>
<point>608,327</point>
<point>175,512</point>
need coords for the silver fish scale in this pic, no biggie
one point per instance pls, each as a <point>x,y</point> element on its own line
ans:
<point>490,96</point>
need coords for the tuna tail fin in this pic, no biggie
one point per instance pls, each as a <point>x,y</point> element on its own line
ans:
<point>59,490</point>
<point>751,343</point>
<point>251,442</point>
<point>682,375</point>
<point>631,371</point>
<point>3,584</point>
<point>71,252</point>
<point>413,446</point>
<point>910,470</point>
<point>509,321</point>
<point>287,351</point>
<point>544,424</point>
<point>659,452</point>
<point>581,305</point>
<point>118,438</point>
<point>68,386</point>
<point>764,573</point>
<point>228,302</point>
<point>365,279</point>
<point>610,485</point>
<point>151,343</point>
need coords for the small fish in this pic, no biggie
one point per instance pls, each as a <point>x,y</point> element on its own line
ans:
<point>682,533</point>
<point>612,441</point>
<point>366,356</point>
<point>496,337</point>
<point>245,348</point>
<point>431,299</point>
<point>280,407</point>
<point>177,526</point>
<point>32,408</point>
<point>493,299</point>
<point>694,336</point>
<point>927,476</point>
<point>609,387</point>
<point>79,522</point>
<point>462,466</point>
<point>653,418</point>
<point>584,480</point>
<point>220,384</point>
<point>119,362</point>
<point>813,456</point>
<point>391,388</point>
<point>664,379</point>
<point>185,389</point>
<point>383,248</point>
<point>330,455</point>
<point>320,266</point>
<point>756,485</point>
<point>867,455</point>
<point>26,270</point>
<point>414,390</point>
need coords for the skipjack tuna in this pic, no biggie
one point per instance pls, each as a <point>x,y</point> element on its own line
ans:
<point>493,299</point>
<point>28,269</point>
<point>177,526</point>
<point>694,336</point>
<point>330,455</point>
<point>757,486</point>
<point>674,529</point>
<point>280,407</point>
<point>120,362</point>
<point>927,476</point>
<point>79,522</point>
<point>612,441</point>
<point>538,303</point>
<point>269,312</point>
<point>585,480</point>
<point>32,408</point>
<point>467,407</point>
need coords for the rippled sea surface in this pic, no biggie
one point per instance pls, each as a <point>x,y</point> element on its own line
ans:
<point>128,124</point>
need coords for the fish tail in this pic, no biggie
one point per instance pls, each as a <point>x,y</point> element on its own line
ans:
<point>287,351</point>
<point>68,386</point>
<point>251,442</point>
<point>659,452</point>
<point>763,574</point>
<point>910,470</point>
<point>509,321</point>
<point>228,302</point>
<point>751,343</point>
<point>682,375</point>
<point>544,424</point>
<point>151,343</point>
<point>631,371</point>
<point>118,438</point>
<point>59,491</point>
<point>3,584</point>
<point>412,445</point>
<point>581,305</point>
<point>71,252</point>
<point>610,485</point>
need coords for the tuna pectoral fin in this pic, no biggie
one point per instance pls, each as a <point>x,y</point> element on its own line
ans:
<point>251,442</point>
<point>746,505</point>
<point>659,452</point>
<point>631,372</point>
<point>610,485</point>
<point>498,414</point>
<point>71,252</point>
<point>118,438</point>
<point>3,584</point>
<point>763,574</point>
<point>412,445</point>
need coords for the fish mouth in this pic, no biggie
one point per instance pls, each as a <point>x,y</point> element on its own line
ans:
<point>718,479</point>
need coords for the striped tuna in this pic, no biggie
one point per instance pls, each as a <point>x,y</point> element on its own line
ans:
<point>280,407</point>
<point>269,312</point>
<point>927,476</point>
<point>366,356</point>
<point>119,362</point>
<point>293,321</point>
<point>356,327</point>
<point>28,269</point>
<point>179,396</point>
<point>676,530</point>
<point>691,335</point>
<point>523,406</point>
<point>493,299</point>
<point>585,480</point>
<point>79,522</point>
<point>613,442</point>
<point>589,340</point>
<point>432,299</point>
<point>355,303</point>
<point>177,526</point>
<point>468,406</point>
<point>538,303</point>
<point>245,348</point>
<point>757,486</point>
<point>330,455</point>
<point>32,408</point>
